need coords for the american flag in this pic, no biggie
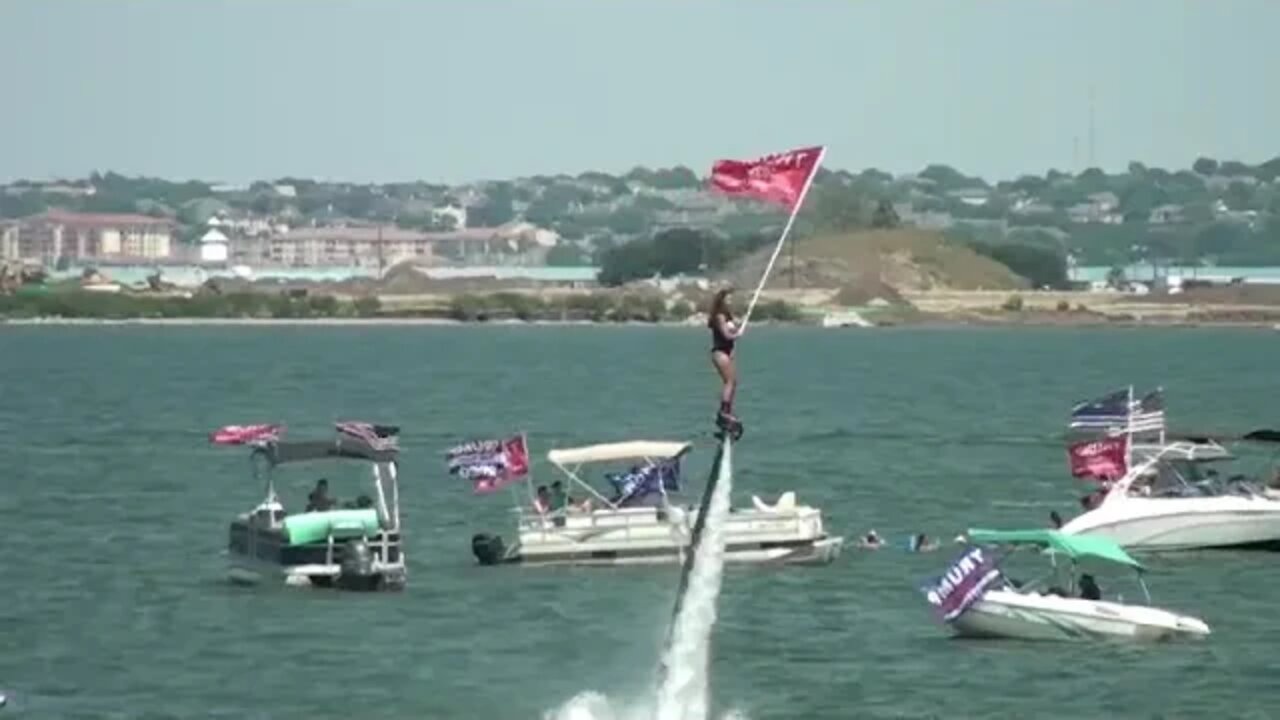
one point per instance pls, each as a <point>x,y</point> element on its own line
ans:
<point>1115,412</point>
<point>379,437</point>
<point>1105,413</point>
<point>1147,414</point>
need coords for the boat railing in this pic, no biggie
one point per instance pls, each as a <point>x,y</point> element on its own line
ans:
<point>629,520</point>
<point>381,541</point>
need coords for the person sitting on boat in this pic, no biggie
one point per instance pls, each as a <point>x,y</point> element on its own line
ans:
<point>1055,520</point>
<point>319,500</point>
<point>871,541</point>
<point>1094,499</point>
<point>362,502</point>
<point>542,500</point>
<point>1089,589</point>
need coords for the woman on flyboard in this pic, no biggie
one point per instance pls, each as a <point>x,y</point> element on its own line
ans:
<point>724,333</point>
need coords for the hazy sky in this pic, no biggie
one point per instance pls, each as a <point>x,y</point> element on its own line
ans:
<point>455,90</point>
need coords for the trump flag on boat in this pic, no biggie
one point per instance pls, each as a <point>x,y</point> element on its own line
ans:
<point>963,584</point>
<point>490,464</point>
<point>245,434</point>
<point>780,178</point>
<point>640,482</point>
<point>1098,459</point>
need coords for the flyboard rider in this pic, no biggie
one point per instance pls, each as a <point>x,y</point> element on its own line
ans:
<point>724,334</point>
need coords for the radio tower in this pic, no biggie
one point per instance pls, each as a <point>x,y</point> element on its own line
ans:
<point>1092,140</point>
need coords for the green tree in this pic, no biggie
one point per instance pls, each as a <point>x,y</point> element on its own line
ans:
<point>1219,239</point>
<point>567,255</point>
<point>1234,168</point>
<point>496,209</point>
<point>627,221</point>
<point>1205,166</point>
<point>885,217</point>
<point>675,178</point>
<point>1238,196</point>
<point>1269,171</point>
<point>836,209</point>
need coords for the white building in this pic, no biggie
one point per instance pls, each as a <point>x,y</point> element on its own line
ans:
<point>214,246</point>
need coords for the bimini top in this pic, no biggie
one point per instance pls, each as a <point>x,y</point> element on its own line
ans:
<point>1075,546</point>
<point>609,452</point>
<point>351,440</point>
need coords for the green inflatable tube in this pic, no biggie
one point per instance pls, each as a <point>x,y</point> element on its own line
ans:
<point>343,524</point>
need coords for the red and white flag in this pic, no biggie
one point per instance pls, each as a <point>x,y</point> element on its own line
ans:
<point>245,434</point>
<point>1098,459</point>
<point>780,178</point>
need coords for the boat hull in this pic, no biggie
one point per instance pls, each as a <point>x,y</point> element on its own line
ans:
<point>1005,614</point>
<point>646,536</point>
<point>1172,524</point>
<point>260,556</point>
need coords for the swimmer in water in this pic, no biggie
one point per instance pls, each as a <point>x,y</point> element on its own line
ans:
<point>871,541</point>
<point>921,543</point>
<point>724,334</point>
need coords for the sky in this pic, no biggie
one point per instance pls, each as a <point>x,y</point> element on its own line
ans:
<point>462,90</point>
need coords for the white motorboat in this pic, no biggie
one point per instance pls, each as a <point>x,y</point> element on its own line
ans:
<point>1157,494</point>
<point>639,524</point>
<point>1172,498</point>
<point>975,599</point>
<point>356,547</point>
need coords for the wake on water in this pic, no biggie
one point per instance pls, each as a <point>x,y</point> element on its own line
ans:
<point>682,693</point>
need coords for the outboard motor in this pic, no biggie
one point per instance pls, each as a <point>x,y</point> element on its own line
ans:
<point>488,549</point>
<point>357,567</point>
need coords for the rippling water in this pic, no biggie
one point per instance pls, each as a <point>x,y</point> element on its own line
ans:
<point>114,603</point>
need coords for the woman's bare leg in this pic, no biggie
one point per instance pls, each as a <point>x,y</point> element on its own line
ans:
<point>728,376</point>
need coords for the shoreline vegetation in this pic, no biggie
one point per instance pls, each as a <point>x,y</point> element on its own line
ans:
<point>606,307</point>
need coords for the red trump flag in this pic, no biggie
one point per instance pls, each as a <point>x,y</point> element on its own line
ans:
<point>1098,459</point>
<point>781,178</point>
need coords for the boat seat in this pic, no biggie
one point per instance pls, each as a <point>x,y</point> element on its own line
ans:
<point>786,502</point>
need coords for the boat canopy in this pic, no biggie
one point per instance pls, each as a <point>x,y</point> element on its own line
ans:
<point>348,448</point>
<point>1076,546</point>
<point>609,452</point>
<point>351,440</point>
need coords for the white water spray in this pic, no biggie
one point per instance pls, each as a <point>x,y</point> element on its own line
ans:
<point>683,693</point>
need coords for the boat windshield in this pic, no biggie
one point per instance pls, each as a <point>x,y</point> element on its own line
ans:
<point>1192,478</point>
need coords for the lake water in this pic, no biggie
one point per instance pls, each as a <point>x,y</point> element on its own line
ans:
<point>116,510</point>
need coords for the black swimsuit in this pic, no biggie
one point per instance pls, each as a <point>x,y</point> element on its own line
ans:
<point>719,341</point>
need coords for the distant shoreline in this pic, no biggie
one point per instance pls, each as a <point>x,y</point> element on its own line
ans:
<point>1013,320</point>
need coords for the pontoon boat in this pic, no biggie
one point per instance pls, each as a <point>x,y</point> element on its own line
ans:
<point>975,599</point>
<point>357,547</point>
<point>638,524</point>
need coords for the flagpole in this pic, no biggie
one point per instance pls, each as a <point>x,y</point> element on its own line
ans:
<point>786,230</point>
<point>1128,432</point>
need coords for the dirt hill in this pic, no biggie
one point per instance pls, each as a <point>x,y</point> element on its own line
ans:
<point>878,263</point>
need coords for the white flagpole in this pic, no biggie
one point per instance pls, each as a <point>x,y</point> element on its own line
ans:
<point>786,230</point>
<point>1128,432</point>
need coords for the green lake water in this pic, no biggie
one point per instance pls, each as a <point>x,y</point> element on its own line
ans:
<point>116,511</point>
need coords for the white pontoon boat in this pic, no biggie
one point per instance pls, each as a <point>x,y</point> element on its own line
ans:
<point>637,523</point>
<point>352,548</point>
<point>975,599</point>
